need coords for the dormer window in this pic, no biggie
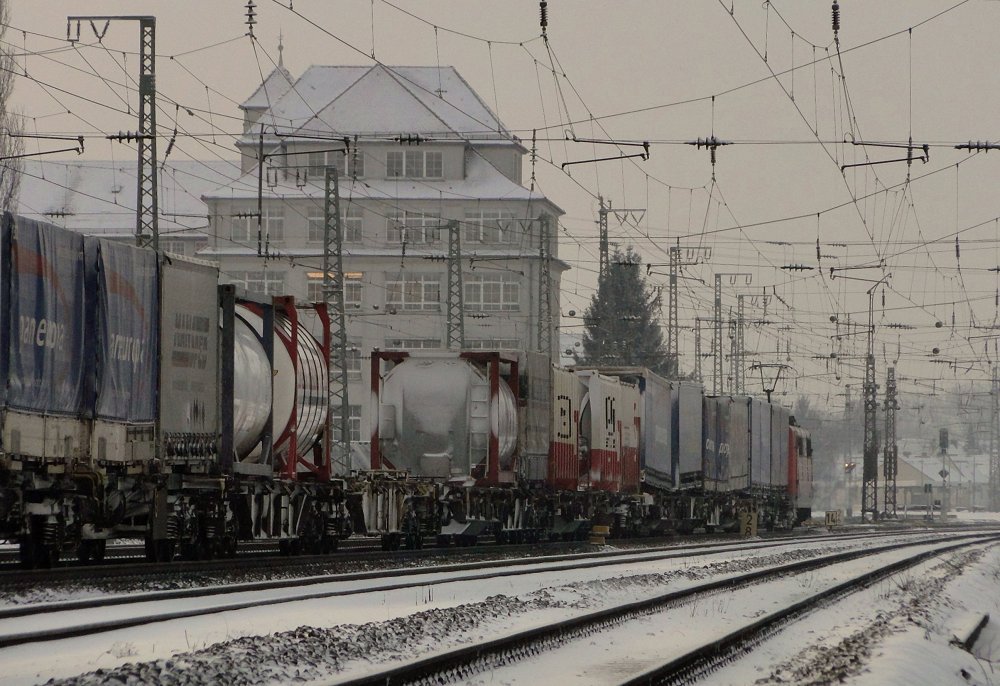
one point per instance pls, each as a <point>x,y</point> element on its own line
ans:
<point>414,164</point>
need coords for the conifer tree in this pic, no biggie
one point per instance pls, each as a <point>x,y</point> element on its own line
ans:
<point>621,324</point>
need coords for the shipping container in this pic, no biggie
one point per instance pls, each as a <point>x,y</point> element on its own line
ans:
<point>686,432</point>
<point>739,444</point>
<point>48,353</point>
<point>716,469</point>
<point>630,420</point>
<point>656,412</point>
<point>189,365</point>
<point>564,468</point>
<point>760,444</point>
<point>446,415</point>
<point>125,330</point>
<point>779,447</point>
<point>535,416</point>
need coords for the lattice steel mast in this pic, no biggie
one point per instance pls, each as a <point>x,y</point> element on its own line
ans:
<point>545,284</point>
<point>333,295</point>
<point>869,471</point>
<point>456,292</point>
<point>890,452</point>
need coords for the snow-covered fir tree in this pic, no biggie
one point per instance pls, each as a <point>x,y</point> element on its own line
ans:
<point>622,322</point>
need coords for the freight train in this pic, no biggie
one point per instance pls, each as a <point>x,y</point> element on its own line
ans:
<point>525,450</point>
<point>141,399</point>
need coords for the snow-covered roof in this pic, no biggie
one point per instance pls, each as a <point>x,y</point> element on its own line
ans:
<point>99,196</point>
<point>482,181</point>
<point>379,100</point>
<point>277,83</point>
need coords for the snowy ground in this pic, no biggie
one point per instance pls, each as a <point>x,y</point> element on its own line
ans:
<point>322,640</point>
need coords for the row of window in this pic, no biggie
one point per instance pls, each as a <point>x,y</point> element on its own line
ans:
<point>401,226</point>
<point>399,164</point>
<point>406,291</point>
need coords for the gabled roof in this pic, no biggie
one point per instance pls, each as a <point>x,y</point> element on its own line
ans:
<point>381,100</point>
<point>277,83</point>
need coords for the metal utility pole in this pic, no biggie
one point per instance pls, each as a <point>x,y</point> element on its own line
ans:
<point>333,294</point>
<point>694,256</point>
<point>995,442</point>
<point>890,451</point>
<point>602,229</point>
<point>147,228</point>
<point>456,290</point>
<point>739,350</point>
<point>545,283</point>
<point>869,467</point>
<point>718,387</point>
<point>602,225</point>
<point>697,349</point>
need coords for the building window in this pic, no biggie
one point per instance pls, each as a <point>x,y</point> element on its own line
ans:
<point>493,344</point>
<point>174,246</point>
<point>492,226</point>
<point>492,293</point>
<point>274,223</point>
<point>353,288</point>
<point>414,164</point>
<point>354,360</point>
<point>262,282</point>
<point>244,227</point>
<point>356,163</point>
<point>412,343</point>
<point>351,222</point>
<point>413,291</point>
<point>412,227</point>
<point>353,419</point>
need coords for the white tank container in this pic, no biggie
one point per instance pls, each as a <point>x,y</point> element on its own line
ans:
<point>257,390</point>
<point>436,416</point>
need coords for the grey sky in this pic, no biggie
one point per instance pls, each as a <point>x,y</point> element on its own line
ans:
<point>615,58</point>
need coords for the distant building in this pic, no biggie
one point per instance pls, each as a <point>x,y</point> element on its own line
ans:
<point>415,149</point>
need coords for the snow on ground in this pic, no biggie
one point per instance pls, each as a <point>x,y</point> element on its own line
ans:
<point>350,635</point>
<point>628,650</point>
<point>900,631</point>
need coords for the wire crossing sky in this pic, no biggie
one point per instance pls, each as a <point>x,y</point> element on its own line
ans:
<point>835,163</point>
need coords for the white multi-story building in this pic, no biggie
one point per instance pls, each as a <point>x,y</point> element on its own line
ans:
<point>417,150</point>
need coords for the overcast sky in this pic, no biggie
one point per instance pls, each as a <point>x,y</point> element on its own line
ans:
<point>646,71</point>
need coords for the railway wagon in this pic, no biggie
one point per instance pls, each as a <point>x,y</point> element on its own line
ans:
<point>517,448</point>
<point>800,472</point>
<point>121,408</point>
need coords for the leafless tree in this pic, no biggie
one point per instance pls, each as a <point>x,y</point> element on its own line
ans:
<point>10,122</point>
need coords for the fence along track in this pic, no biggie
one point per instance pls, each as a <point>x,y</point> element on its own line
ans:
<point>468,661</point>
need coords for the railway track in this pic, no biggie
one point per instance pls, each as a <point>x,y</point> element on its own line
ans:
<point>466,662</point>
<point>59,620</point>
<point>319,568</point>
